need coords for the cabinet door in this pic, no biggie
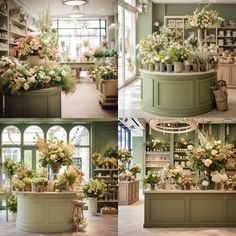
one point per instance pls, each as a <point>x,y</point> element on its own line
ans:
<point>223,73</point>
<point>233,75</point>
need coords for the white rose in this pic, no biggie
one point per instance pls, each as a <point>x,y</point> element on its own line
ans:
<point>217,142</point>
<point>26,86</point>
<point>207,162</point>
<point>62,155</point>
<point>214,152</point>
<point>224,177</point>
<point>205,183</point>
<point>208,147</point>
<point>190,147</point>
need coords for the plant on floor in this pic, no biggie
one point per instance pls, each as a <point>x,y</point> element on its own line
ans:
<point>12,203</point>
<point>17,78</point>
<point>106,71</point>
<point>94,188</point>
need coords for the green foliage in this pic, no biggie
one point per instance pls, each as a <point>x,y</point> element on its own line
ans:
<point>12,203</point>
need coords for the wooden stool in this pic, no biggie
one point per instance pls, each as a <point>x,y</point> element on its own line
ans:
<point>78,214</point>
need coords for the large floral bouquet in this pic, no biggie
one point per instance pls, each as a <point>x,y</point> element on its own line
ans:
<point>135,168</point>
<point>210,155</point>
<point>178,52</point>
<point>152,178</point>
<point>9,167</point>
<point>106,71</point>
<point>35,45</point>
<point>203,18</point>
<point>94,188</point>
<point>55,151</point>
<point>156,145</point>
<point>17,78</point>
<point>124,156</point>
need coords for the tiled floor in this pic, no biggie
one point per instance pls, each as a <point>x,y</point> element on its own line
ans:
<point>84,103</point>
<point>131,220</point>
<point>129,103</point>
<point>98,225</point>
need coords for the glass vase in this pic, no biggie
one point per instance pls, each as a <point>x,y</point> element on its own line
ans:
<point>157,66</point>
<point>55,167</point>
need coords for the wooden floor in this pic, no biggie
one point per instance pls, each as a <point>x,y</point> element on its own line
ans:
<point>84,103</point>
<point>98,226</point>
<point>131,220</point>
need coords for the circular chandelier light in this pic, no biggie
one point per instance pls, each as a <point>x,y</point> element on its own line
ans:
<point>173,125</point>
<point>74,2</point>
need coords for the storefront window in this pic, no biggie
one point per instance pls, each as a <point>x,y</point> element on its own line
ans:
<point>57,132</point>
<point>73,33</point>
<point>79,135</point>
<point>11,136</point>
<point>32,134</point>
<point>127,44</point>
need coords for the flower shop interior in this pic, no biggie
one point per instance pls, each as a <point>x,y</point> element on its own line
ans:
<point>58,59</point>
<point>171,156</point>
<point>53,196</point>
<point>151,52</point>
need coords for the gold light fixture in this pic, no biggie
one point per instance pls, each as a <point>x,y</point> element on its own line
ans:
<point>74,2</point>
<point>173,125</point>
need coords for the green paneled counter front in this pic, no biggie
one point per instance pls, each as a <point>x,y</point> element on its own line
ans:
<point>47,212</point>
<point>189,208</point>
<point>177,94</point>
<point>40,103</point>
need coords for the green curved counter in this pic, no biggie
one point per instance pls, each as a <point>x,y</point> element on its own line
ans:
<point>177,94</point>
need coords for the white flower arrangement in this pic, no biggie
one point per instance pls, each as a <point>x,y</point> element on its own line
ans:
<point>203,18</point>
<point>94,188</point>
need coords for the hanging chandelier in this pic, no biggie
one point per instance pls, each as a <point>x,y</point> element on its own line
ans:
<point>76,12</point>
<point>173,125</point>
<point>74,2</point>
<point>143,5</point>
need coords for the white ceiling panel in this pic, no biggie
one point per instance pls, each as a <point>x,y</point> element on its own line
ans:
<point>92,9</point>
<point>196,1</point>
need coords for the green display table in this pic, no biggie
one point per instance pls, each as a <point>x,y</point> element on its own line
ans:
<point>188,208</point>
<point>41,103</point>
<point>177,94</point>
<point>47,212</point>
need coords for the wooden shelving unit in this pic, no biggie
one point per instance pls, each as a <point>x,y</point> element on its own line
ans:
<point>110,176</point>
<point>4,35</point>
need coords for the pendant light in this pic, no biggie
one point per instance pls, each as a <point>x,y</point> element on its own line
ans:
<point>74,2</point>
<point>76,12</point>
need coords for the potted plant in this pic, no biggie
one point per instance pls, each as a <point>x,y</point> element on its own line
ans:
<point>168,62</point>
<point>12,204</point>
<point>135,169</point>
<point>93,190</point>
<point>152,178</point>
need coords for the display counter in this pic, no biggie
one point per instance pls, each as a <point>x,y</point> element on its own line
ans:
<point>47,212</point>
<point>177,94</point>
<point>128,192</point>
<point>188,208</point>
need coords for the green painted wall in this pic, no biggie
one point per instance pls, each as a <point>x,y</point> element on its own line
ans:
<point>138,155</point>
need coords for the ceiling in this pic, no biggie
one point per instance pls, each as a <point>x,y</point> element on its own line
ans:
<point>195,1</point>
<point>94,8</point>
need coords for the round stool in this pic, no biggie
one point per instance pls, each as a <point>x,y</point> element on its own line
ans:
<point>78,215</point>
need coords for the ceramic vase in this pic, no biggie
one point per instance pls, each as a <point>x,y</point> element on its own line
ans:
<point>157,66</point>
<point>92,205</point>
<point>178,67</point>
<point>169,68</point>
<point>162,67</point>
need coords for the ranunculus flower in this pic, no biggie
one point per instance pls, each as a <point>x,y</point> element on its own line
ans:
<point>207,162</point>
<point>214,152</point>
<point>190,147</point>
<point>26,86</point>
<point>208,147</point>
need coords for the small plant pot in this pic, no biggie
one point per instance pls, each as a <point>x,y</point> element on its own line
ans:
<point>169,68</point>
<point>187,67</point>
<point>152,187</point>
<point>162,67</point>
<point>151,67</point>
<point>157,66</point>
<point>195,67</point>
<point>178,67</point>
<point>203,67</point>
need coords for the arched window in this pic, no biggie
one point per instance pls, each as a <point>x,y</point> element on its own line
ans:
<point>11,140</point>
<point>58,132</point>
<point>31,134</point>
<point>79,135</point>
<point>11,136</point>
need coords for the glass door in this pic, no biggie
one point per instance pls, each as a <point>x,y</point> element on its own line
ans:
<point>31,158</point>
<point>127,44</point>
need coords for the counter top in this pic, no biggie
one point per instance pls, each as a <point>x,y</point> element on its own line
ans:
<point>188,191</point>
<point>176,74</point>
<point>131,181</point>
